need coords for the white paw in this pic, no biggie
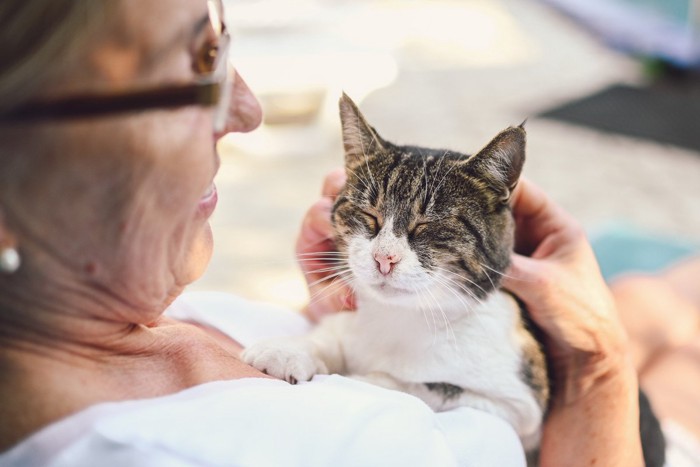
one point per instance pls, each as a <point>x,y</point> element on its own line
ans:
<point>291,361</point>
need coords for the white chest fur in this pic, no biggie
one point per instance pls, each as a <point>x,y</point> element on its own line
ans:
<point>442,344</point>
<point>404,347</point>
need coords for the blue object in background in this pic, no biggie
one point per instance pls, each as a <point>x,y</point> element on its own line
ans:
<point>667,30</point>
<point>622,248</point>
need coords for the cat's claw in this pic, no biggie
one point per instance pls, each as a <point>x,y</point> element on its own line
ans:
<point>290,362</point>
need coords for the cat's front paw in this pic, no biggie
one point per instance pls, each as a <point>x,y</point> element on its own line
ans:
<point>290,361</point>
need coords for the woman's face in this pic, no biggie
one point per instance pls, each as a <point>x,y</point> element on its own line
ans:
<point>123,201</point>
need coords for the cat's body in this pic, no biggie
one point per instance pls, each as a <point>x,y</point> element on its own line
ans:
<point>427,236</point>
<point>424,237</point>
<point>394,347</point>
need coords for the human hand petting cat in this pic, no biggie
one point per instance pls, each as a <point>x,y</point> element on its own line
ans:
<point>554,271</point>
<point>594,411</point>
<point>317,254</point>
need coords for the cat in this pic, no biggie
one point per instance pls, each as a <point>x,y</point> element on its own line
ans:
<point>427,235</point>
<point>424,237</point>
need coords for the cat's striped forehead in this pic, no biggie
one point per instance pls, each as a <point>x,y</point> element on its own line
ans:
<point>449,216</point>
<point>408,182</point>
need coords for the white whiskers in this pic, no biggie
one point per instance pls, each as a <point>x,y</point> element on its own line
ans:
<point>469,292</point>
<point>449,332</point>
<point>338,281</point>
<point>502,274</point>
<point>419,295</point>
<point>369,185</point>
<point>454,287</point>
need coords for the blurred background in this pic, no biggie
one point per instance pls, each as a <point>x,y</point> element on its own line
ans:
<point>610,88</point>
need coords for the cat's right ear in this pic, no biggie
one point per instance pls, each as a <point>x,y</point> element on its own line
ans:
<point>501,161</point>
<point>359,138</point>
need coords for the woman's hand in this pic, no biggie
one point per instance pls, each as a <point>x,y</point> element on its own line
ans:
<point>558,278</point>
<point>318,257</point>
<point>594,413</point>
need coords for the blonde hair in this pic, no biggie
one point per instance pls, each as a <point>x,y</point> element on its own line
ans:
<point>40,38</point>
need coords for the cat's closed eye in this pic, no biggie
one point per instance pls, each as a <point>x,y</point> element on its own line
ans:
<point>372,222</point>
<point>418,228</point>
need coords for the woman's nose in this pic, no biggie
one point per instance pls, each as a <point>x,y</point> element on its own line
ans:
<point>245,113</point>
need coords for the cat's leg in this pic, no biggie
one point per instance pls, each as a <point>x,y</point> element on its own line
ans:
<point>290,358</point>
<point>299,358</point>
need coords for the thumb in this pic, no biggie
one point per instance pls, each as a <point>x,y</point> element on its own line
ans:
<point>316,226</point>
<point>524,277</point>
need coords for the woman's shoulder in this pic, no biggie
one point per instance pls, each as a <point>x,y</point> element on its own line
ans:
<point>244,320</point>
<point>330,421</point>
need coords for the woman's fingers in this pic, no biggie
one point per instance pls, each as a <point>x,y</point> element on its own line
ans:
<point>334,182</point>
<point>536,217</point>
<point>316,252</point>
<point>316,226</point>
<point>528,199</point>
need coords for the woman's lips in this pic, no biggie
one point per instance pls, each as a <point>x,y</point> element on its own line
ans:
<point>207,203</point>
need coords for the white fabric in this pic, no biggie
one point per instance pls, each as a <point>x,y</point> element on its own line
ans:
<point>682,447</point>
<point>330,421</point>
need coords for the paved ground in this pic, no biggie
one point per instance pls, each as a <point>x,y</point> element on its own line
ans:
<point>443,73</point>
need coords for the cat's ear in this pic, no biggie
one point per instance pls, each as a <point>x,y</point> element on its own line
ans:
<point>501,161</point>
<point>359,138</point>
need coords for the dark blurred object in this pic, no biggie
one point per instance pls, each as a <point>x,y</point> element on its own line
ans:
<point>667,111</point>
<point>668,30</point>
<point>653,442</point>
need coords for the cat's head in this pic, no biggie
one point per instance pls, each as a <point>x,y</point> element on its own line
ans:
<point>422,224</point>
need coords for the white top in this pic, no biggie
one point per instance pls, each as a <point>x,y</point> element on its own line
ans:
<point>330,421</point>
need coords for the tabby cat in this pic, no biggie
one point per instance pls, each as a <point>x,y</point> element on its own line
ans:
<point>424,237</point>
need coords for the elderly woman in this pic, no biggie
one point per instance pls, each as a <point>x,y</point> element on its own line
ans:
<point>109,116</point>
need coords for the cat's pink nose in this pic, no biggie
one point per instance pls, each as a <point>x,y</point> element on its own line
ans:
<point>385,263</point>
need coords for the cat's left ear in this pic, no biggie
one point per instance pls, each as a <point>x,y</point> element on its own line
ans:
<point>501,161</point>
<point>359,138</point>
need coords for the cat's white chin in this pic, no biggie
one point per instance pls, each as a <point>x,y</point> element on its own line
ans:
<point>388,293</point>
<point>392,289</point>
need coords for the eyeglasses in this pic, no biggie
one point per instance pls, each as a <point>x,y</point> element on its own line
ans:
<point>211,88</point>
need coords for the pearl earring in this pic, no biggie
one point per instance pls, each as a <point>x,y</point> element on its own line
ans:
<point>9,260</point>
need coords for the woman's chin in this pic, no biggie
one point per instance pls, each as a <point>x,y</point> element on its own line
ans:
<point>200,255</point>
